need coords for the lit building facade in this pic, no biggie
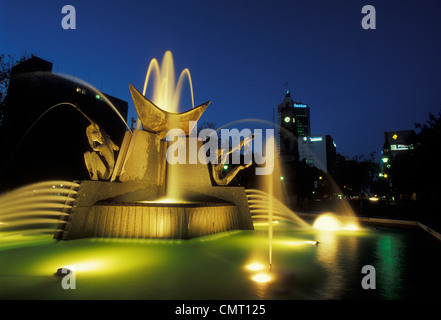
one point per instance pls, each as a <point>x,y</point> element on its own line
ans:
<point>293,119</point>
<point>399,140</point>
<point>395,143</point>
<point>287,130</point>
<point>302,119</point>
<point>319,151</point>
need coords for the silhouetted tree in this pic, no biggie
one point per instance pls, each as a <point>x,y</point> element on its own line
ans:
<point>426,162</point>
<point>358,175</point>
<point>417,170</point>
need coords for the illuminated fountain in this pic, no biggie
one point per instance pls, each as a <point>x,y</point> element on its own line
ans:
<point>148,197</point>
<point>140,196</point>
<point>268,210</point>
<point>342,216</point>
<point>35,208</point>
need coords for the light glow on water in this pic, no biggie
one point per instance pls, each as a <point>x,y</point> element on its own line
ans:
<point>261,277</point>
<point>85,266</point>
<point>351,227</point>
<point>327,222</point>
<point>331,222</point>
<point>295,243</point>
<point>256,266</point>
<point>162,269</point>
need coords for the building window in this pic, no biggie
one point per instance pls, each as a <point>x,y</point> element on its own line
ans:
<point>81,90</point>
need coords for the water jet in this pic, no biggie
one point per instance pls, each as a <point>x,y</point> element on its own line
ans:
<point>146,223</point>
<point>129,204</point>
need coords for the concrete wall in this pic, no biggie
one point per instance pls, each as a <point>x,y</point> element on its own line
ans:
<point>383,221</point>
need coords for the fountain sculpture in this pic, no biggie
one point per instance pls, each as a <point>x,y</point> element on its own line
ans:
<point>140,194</point>
<point>131,197</point>
<point>134,191</point>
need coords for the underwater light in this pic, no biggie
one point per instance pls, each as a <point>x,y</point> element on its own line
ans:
<point>63,271</point>
<point>261,278</point>
<point>255,266</point>
<point>79,267</point>
<point>330,222</point>
<point>327,222</point>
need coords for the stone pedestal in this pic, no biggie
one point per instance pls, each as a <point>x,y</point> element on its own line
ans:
<point>153,220</point>
<point>127,205</point>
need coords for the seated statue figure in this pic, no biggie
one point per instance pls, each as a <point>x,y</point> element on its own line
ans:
<point>101,162</point>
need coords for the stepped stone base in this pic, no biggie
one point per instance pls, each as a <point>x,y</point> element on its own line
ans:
<point>109,209</point>
<point>154,220</point>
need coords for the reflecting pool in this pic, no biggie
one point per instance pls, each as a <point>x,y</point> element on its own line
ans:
<point>306,264</point>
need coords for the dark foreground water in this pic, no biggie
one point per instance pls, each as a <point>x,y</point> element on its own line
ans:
<point>407,266</point>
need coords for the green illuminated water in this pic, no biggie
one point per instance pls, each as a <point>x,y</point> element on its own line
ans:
<point>406,263</point>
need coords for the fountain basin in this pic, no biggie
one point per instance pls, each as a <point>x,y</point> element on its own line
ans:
<point>151,219</point>
<point>215,267</point>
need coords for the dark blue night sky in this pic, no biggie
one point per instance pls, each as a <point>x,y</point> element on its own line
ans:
<point>358,83</point>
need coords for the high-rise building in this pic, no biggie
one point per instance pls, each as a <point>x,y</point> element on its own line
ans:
<point>293,119</point>
<point>399,140</point>
<point>318,151</point>
<point>302,119</point>
<point>287,129</point>
<point>395,143</point>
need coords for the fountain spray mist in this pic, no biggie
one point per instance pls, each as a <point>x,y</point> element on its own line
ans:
<point>166,94</point>
<point>36,208</point>
<point>96,91</point>
<point>269,184</point>
<point>270,224</point>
